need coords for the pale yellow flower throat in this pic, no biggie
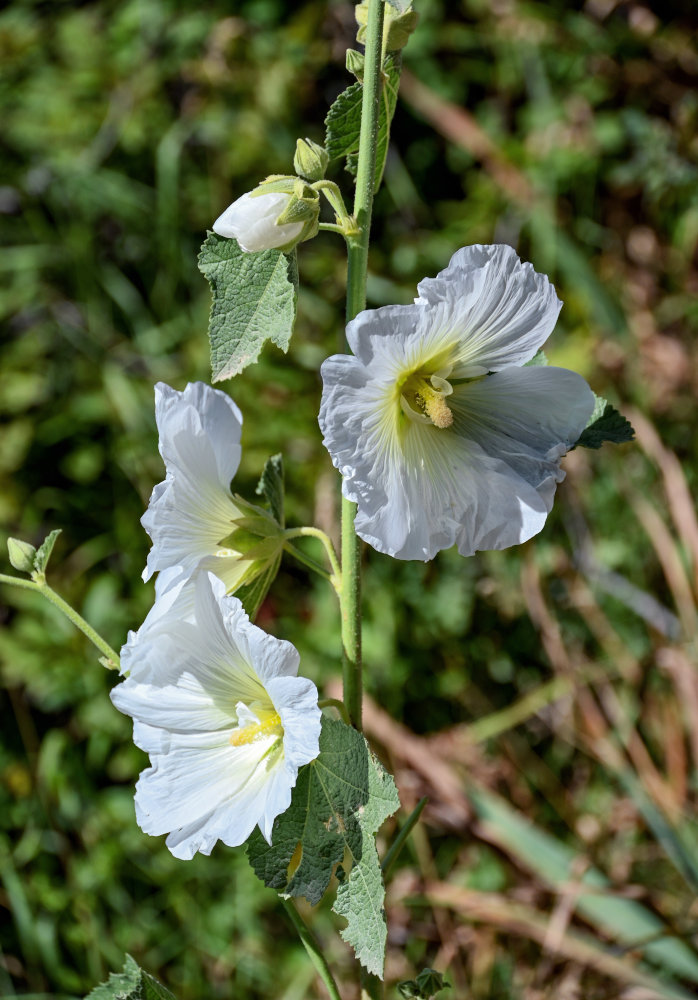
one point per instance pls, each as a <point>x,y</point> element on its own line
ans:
<point>269,725</point>
<point>423,398</point>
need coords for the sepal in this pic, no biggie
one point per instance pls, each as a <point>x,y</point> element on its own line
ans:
<point>256,539</point>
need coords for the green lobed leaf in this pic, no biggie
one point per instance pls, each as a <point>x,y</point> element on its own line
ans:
<point>339,802</point>
<point>271,486</point>
<point>605,424</point>
<point>132,983</point>
<point>43,553</point>
<point>343,121</point>
<point>254,300</point>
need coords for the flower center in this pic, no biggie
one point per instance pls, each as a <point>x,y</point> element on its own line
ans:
<point>423,398</point>
<point>268,725</point>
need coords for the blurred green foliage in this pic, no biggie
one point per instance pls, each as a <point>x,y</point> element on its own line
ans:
<point>127,128</point>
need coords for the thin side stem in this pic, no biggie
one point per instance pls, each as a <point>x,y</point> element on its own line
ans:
<point>326,541</point>
<point>309,562</point>
<point>401,839</point>
<point>335,703</point>
<point>313,949</point>
<point>357,264</point>
<point>110,657</point>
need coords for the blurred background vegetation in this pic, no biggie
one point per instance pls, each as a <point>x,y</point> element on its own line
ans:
<point>548,695</point>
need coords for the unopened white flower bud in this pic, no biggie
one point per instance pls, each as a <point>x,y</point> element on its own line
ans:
<point>251,220</point>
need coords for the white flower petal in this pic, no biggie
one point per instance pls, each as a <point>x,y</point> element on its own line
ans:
<point>503,309</point>
<point>295,699</point>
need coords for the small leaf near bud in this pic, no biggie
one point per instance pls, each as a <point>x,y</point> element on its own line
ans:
<point>21,555</point>
<point>44,551</point>
<point>310,160</point>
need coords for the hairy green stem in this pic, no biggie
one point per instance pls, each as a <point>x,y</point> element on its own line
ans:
<point>313,949</point>
<point>110,657</point>
<point>357,263</point>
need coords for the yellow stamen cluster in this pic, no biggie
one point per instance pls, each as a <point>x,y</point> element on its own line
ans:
<point>436,407</point>
<point>258,731</point>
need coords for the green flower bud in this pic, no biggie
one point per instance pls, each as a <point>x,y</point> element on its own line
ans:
<point>355,63</point>
<point>430,982</point>
<point>310,161</point>
<point>21,555</point>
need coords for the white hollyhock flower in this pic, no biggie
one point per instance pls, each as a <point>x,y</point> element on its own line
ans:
<point>441,435</point>
<point>251,220</point>
<point>218,706</point>
<point>192,513</point>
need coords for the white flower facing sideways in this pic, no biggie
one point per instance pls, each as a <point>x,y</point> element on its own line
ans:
<point>441,435</point>
<point>218,706</point>
<point>192,512</point>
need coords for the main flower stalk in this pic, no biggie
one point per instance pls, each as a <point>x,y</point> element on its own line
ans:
<point>357,263</point>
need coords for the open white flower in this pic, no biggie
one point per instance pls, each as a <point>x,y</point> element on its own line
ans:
<point>218,706</point>
<point>192,516</point>
<point>441,435</point>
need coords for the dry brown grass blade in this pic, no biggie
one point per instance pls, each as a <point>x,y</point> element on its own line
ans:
<point>596,732</point>
<point>678,495</point>
<point>683,674</point>
<point>521,919</point>
<point>670,560</point>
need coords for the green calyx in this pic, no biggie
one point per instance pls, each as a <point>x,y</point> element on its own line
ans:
<point>256,539</point>
<point>310,160</point>
<point>303,205</point>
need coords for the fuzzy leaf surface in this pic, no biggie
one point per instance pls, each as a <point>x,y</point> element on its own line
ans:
<point>343,121</point>
<point>132,983</point>
<point>339,802</point>
<point>254,300</point>
<point>605,424</point>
